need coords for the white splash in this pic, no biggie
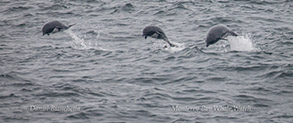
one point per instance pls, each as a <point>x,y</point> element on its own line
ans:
<point>160,44</point>
<point>80,43</point>
<point>241,43</point>
<point>178,47</point>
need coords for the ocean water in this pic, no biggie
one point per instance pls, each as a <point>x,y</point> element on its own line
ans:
<point>103,70</point>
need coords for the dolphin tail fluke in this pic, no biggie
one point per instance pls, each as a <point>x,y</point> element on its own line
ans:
<point>165,38</point>
<point>233,33</point>
<point>70,26</point>
<point>171,45</point>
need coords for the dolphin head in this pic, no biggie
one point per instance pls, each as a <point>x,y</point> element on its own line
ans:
<point>145,36</point>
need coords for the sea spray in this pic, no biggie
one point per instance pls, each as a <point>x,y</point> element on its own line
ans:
<point>241,43</point>
<point>160,44</point>
<point>176,48</point>
<point>80,43</point>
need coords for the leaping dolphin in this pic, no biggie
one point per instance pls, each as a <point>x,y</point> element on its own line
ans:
<point>218,32</point>
<point>156,32</point>
<point>49,27</point>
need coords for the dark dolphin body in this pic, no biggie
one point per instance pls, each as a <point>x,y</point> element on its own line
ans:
<point>217,33</point>
<point>49,27</point>
<point>156,32</point>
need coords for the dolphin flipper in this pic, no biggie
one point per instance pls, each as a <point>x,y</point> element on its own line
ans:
<point>59,28</point>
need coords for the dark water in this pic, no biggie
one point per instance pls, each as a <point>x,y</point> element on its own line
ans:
<point>103,70</point>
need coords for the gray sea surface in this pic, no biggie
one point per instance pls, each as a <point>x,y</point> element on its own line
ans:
<point>103,70</point>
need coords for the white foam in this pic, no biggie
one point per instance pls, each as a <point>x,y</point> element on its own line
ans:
<point>241,43</point>
<point>178,47</point>
<point>160,44</point>
<point>80,43</point>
